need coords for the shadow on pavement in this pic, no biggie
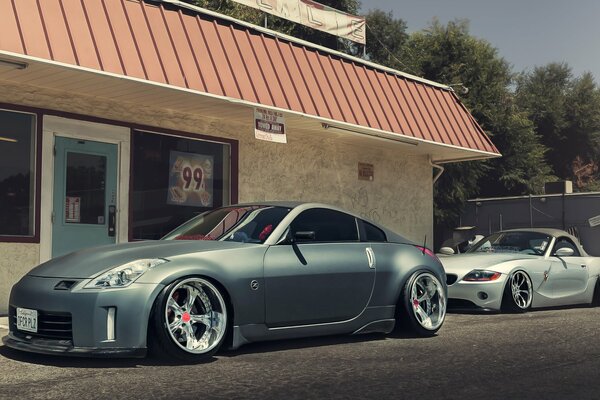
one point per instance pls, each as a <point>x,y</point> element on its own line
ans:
<point>85,362</point>
<point>315,342</point>
<point>251,348</point>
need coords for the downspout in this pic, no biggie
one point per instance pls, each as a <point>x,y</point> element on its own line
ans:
<point>435,178</point>
<point>439,168</point>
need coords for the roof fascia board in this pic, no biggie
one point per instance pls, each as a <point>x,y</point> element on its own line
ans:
<point>357,128</point>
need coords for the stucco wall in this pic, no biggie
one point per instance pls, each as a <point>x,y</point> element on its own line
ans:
<point>323,170</point>
<point>310,167</point>
<point>16,259</point>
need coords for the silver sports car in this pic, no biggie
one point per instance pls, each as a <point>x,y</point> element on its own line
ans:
<point>516,270</point>
<point>230,276</point>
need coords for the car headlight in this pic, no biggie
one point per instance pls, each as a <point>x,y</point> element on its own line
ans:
<point>124,275</point>
<point>480,275</point>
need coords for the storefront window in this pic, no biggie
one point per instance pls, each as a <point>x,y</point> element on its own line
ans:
<point>17,173</point>
<point>175,179</point>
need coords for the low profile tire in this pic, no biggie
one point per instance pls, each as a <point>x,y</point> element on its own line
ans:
<point>423,305</point>
<point>518,293</point>
<point>596,298</point>
<point>189,321</point>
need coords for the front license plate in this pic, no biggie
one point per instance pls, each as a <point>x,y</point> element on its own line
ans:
<point>27,320</point>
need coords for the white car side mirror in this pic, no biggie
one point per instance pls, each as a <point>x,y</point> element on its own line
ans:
<point>564,252</point>
<point>448,251</point>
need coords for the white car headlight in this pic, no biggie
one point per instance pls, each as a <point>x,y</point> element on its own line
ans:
<point>480,275</point>
<point>124,275</point>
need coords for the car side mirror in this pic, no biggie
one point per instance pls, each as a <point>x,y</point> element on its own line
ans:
<point>448,251</point>
<point>564,252</point>
<point>304,235</point>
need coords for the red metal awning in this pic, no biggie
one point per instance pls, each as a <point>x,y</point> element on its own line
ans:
<point>183,48</point>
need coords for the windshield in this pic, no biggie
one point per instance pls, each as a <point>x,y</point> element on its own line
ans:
<point>513,242</point>
<point>249,224</point>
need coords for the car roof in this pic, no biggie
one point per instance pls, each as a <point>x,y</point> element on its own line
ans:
<point>554,233</point>
<point>547,231</point>
<point>286,204</point>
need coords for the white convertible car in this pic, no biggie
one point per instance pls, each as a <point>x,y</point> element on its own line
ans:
<point>516,270</point>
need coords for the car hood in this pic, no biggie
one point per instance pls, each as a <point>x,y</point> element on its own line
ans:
<point>88,263</point>
<point>461,264</point>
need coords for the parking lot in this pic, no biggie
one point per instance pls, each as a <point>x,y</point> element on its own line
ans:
<point>550,354</point>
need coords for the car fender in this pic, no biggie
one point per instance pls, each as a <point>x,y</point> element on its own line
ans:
<point>239,272</point>
<point>395,265</point>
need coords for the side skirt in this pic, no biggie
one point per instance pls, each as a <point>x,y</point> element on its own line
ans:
<point>373,319</point>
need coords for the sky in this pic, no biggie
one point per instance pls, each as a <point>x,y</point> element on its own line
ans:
<point>527,33</point>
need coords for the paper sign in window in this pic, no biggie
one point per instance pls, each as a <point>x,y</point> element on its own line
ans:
<point>190,179</point>
<point>73,209</point>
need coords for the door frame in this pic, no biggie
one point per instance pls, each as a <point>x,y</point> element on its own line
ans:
<point>54,126</point>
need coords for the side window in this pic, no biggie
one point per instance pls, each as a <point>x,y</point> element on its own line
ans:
<point>328,225</point>
<point>373,233</point>
<point>566,242</point>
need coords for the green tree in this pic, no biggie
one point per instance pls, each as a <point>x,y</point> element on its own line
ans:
<point>451,55</point>
<point>565,112</point>
<point>386,37</point>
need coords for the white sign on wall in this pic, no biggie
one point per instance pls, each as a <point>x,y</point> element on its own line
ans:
<point>269,125</point>
<point>314,15</point>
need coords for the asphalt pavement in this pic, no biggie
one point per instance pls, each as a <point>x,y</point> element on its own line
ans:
<point>550,354</point>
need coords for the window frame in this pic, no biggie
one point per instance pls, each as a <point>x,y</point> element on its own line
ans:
<point>37,171</point>
<point>40,113</point>
<point>363,232</point>
<point>233,163</point>
<point>357,227</point>
<point>576,253</point>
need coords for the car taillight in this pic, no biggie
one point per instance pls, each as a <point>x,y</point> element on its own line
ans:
<point>430,253</point>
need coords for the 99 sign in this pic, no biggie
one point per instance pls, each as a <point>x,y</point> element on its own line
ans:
<point>188,175</point>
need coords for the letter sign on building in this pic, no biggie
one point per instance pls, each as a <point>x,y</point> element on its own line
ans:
<point>366,172</point>
<point>269,125</point>
<point>314,15</point>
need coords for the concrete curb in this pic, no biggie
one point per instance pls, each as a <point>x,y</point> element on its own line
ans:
<point>4,323</point>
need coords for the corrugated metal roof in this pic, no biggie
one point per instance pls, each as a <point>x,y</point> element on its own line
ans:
<point>180,47</point>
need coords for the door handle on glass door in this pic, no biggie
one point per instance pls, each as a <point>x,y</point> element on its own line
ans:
<point>112,221</point>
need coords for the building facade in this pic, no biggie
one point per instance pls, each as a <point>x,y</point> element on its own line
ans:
<point>120,119</point>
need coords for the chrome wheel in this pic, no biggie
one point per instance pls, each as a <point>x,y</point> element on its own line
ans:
<point>521,289</point>
<point>428,301</point>
<point>196,315</point>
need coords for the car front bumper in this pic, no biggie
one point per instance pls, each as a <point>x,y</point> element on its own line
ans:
<point>65,348</point>
<point>477,295</point>
<point>103,322</point>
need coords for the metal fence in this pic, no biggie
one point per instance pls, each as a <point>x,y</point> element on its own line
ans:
<point>570,212</point>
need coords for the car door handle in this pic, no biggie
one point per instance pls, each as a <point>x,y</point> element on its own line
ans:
<point>370,257</point>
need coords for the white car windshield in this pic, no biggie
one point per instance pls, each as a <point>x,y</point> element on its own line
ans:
<point>513,242</point>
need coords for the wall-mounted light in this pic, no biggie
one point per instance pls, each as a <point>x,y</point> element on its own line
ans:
<point>341,128</point>
<point>13,64</point>
<point>5,139</point>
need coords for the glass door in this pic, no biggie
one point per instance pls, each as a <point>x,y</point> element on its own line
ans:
<point>85,195</point>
